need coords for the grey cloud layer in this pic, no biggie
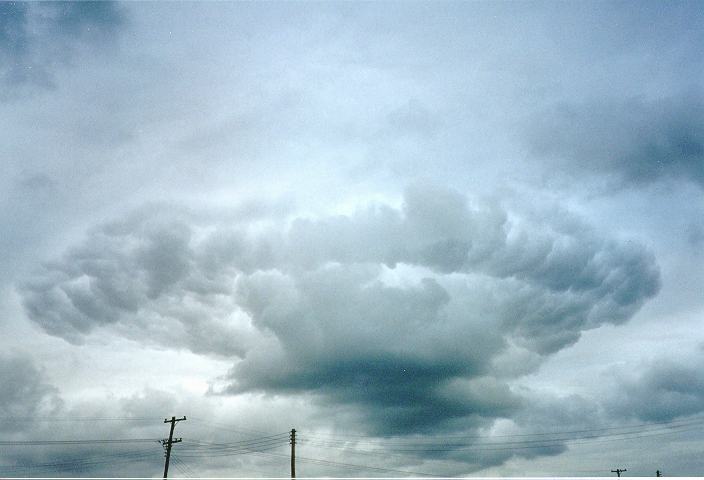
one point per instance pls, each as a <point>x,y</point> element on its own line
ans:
<point>665,390</point>
<point>25,392</point>
<point>31,409</point>
<point>404,314</point>
<point>35,38</point>
<point>636,141</point>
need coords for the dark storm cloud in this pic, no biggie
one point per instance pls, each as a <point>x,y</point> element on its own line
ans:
<point>635,141</point>
<point>403,314</point>
<point>36,38</point>
<point>484,277</point>
<point>353,340</point>
<point>25,391</point>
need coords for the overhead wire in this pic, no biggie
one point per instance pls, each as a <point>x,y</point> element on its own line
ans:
<point>200,447</point>
<point>404,447</point>
<point>28,443</point>
<point>692,419</point>
<point>186,466</point>
<point>245,441</point>
<point>421,443</point>
<point>73,419</point>
<point>182,467</point>
<point>197,453</point>
<point>181,471</point>
<point>195,447</point>
<point>228,453</point>
<point>498,446</point>
<point>324,462</point>
<point>93,460</point>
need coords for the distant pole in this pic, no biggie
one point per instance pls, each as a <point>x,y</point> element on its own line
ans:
<point>293,453</point>
<point>169,442</point>
<point>619,471</point>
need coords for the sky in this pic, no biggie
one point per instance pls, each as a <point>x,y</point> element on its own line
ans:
<point>447,238</point>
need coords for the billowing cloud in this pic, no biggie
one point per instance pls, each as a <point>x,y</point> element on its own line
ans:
<point>635,141</point>
<point>35,38</point>
<point>144,277</point>
<point>410,315</point>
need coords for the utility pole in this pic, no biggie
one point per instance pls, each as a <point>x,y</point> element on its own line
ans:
<point>167,443</point>
<point>293,453</point>
<point>619,471</point>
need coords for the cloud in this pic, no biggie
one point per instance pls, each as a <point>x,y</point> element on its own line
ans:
<point>421,316</point>
<point>665,390</point>
<point>25,391</point>
<point>141,276</point>
<point>635,141</point>
<point>36,38</point>
<point>31,410</point>
<point>414,317</point>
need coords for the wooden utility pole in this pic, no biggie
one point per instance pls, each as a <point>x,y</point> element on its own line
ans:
<point>293,453</point>
<point>619,471</point>
<point>169,442</point>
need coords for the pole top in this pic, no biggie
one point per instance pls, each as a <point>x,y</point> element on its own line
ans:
<point>174,419</point>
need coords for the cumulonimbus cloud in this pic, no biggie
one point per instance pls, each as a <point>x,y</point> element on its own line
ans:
<point>416,316</point>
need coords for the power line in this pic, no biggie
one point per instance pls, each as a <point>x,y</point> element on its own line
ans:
<point>323,462</point>
<point>283,435</point>
<point>201,448</point>
<point>423,443</point>
<point>75,442</point>
<point>505,445</point>
<point>120,457</point>
<point>225,453</point>
<point>184,468</point>
<point>197,446</point>
<point>229,453</point>
<point>73,419</point>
